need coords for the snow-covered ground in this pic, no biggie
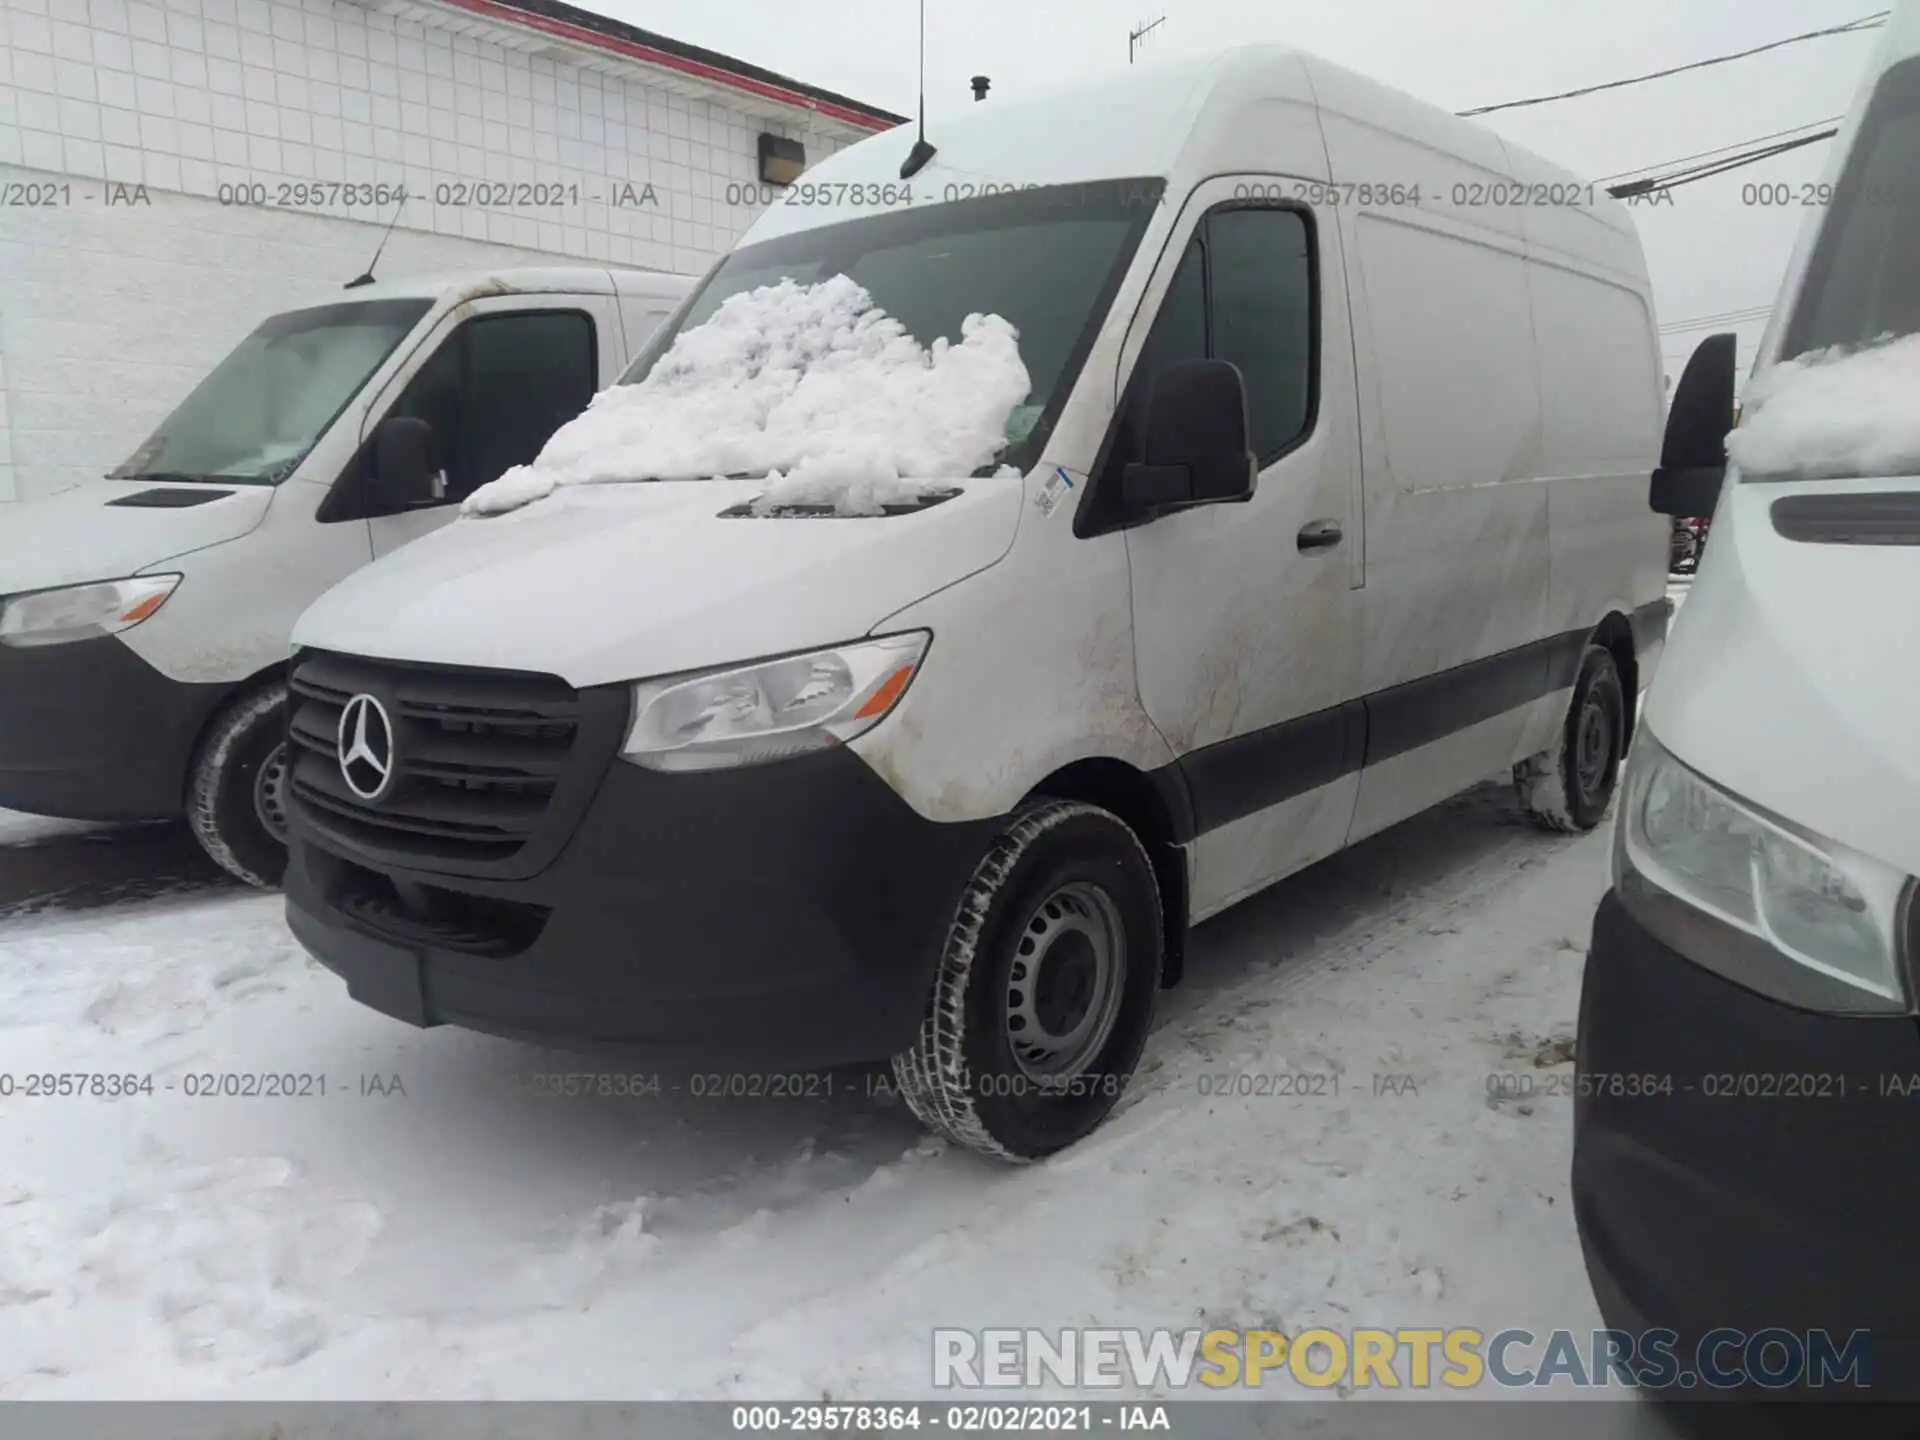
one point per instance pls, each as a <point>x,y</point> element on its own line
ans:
<point>455,1238</point>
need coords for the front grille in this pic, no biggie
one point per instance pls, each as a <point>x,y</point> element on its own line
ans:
<point>476,756</point>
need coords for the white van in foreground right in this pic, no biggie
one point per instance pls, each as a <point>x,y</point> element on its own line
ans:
<point>1325,498</point>
<point>1747,1133</point>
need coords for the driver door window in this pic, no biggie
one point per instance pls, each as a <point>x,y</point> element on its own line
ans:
<point>1243,292</point>
<point>497,390</point>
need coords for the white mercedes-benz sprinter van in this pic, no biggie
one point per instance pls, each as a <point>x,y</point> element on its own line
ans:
<point>1324,497</point>
<point>1747,1132</point>
<point>144,619</point>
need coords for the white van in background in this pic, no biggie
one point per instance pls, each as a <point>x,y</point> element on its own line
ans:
<point>1745,1141</point>
<point>144,619</point>
<point>1325,499</point>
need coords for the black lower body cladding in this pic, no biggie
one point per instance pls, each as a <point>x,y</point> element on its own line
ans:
<point>90,731</point>
<point>784,915</point>
<point>1775,1185</point>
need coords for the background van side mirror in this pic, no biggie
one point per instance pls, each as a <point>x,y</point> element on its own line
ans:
<point>1194,444</point>
<point>1693,456</point>
<point>406,465</point>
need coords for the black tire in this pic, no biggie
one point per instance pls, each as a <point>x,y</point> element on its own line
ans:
<point>1061,875</point>
<point>237,782</point>
<point>1569,787</point>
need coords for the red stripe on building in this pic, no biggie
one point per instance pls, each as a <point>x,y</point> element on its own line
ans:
<point>580,35</point>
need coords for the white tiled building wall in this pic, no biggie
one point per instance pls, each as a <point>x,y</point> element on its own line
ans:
<point>108,311</point>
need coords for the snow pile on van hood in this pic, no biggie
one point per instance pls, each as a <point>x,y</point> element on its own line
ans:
<point>1834,413</point>
<point>812,387</point>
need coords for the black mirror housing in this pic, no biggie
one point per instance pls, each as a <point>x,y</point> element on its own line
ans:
<point>405,472</point>
<point>1195,448</point>
<point>1693,455</point>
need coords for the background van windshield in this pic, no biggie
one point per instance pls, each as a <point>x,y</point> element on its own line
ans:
<point>1863,281</point>
<point>1047,260</point>
<point>255,417</point>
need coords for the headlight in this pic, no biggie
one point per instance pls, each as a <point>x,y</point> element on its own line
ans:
<point>1829,916</point>
<point>82,612</point>
<point>772,710</point>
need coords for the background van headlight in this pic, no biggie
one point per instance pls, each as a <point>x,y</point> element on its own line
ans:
<point>82,612</point>
<point>1803,903</point>
<point>752,714</point>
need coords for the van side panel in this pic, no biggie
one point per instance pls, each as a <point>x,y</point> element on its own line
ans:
<point>1457,552</point>
<point>1510,417</point>
<point>1602,406</point>
<point>1599,370</point>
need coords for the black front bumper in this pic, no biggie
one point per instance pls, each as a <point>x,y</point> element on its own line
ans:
<point>1777,1183</point>
<point>90,731</point>
<point>789,914</point>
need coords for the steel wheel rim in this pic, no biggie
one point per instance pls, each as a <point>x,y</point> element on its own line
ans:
<point>1592,747</point>
<point>270,793</point>
<point>1067,982</point>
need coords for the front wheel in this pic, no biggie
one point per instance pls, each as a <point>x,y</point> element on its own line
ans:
<point>236,790</point>
<point>1046,988</point>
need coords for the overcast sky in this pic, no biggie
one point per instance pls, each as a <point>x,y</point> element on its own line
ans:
<point>1709,252</point>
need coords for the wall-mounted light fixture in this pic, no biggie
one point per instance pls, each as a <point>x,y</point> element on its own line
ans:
<point>781,159</point>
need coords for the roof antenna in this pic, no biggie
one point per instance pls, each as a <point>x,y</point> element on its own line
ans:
<point>922,152</point>
<point>367,279</point>
<point>1134,37</point>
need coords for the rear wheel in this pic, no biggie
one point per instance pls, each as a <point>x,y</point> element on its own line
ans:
<point>236,790</point>
<point>1046,988</point>
<point>1569,787</point>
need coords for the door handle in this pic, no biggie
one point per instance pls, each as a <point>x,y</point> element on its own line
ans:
<point>1320,534</point>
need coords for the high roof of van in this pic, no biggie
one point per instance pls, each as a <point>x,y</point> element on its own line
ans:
<point>1176,119</point>
<point>526,280</point>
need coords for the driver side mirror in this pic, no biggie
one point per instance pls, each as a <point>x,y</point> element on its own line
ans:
<point>1195,448</point>
<point>1693,456</point>
<point>405,473</point>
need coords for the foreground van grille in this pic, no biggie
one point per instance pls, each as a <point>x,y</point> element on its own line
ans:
<point>477,755</point>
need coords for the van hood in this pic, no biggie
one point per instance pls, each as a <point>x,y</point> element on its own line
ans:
<point>77,536</point>
<point>1792,676</point>
<point>603,583</point>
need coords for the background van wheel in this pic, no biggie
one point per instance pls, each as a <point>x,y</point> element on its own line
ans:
<point>236,790</point>
<point>1569,787</point>
<point>1046,987</point>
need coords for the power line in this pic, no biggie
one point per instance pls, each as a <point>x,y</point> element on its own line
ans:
<point>1655,183</point>
<point>1742,313</point>
<point>1717,150</point>
<point>1745,312</point>
<point>1865,22</point>
<point>1714,322</point>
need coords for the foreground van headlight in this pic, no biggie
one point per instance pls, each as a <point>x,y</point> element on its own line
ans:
<point>772,710</point>
<point>82,612</point>
<point>1814,922</point>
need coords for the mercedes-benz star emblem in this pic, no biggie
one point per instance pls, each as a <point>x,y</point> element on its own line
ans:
<point>365,746</point>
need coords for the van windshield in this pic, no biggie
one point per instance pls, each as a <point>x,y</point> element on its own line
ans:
<point>257,414</point>
<point>1863,279</point>
<point>1046,259</point>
